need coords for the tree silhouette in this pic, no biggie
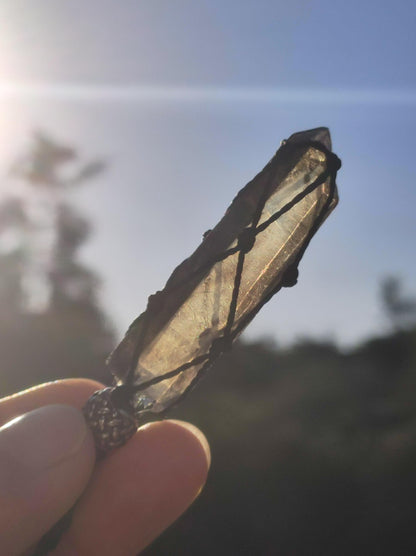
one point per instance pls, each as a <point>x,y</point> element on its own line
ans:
<point>399,309</point>
<point>51,323</point>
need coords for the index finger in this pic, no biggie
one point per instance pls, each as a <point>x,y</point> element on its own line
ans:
<point>72,391</point>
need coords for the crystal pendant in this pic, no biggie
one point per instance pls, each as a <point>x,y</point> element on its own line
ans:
<point>212,296</point>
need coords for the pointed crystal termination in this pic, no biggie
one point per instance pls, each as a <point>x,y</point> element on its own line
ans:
<point>211,297</point>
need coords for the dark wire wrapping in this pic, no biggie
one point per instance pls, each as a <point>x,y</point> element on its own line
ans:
<point>246,242</point>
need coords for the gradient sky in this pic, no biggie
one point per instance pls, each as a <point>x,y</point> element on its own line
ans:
<point>189,99</point>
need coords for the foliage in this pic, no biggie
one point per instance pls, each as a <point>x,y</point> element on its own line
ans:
<point>399,309</point>
<point>51,325</point>
<point>316,457</point>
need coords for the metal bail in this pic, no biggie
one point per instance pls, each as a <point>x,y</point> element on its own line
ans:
<point>111,425</point>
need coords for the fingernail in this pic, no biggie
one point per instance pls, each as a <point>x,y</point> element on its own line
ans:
<point>44,437</point>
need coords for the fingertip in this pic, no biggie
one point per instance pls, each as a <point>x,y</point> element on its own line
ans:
<point>195,432</point>
<point>138,490</point>
<point>183,448</point>
<point>47,458</point>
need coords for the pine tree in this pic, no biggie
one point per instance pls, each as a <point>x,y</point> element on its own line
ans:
<point>51,322</point>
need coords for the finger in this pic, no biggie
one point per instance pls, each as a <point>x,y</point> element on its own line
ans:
<point>138,491</point>
<point>74,391</point>
<point>46,459</point>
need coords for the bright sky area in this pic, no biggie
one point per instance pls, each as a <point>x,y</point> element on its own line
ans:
<point>189,99</point>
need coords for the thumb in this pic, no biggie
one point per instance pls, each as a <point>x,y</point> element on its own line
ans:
<point>46,458</point>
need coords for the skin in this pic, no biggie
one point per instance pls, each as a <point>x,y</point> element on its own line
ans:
<point>123,502</point>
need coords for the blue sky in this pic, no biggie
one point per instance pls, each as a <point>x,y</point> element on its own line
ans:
<point>189,99</point>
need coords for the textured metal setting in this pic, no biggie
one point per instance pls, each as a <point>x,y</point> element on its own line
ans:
<point>111,426</point>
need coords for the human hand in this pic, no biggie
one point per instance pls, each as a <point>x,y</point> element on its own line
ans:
<point>47,463</point>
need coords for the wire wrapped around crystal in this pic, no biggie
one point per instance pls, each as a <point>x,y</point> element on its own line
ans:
<point>211,297</point>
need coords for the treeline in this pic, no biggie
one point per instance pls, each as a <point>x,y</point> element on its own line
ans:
<point>313,452</point>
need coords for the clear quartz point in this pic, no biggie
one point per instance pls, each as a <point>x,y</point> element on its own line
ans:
<point>260,240</point>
